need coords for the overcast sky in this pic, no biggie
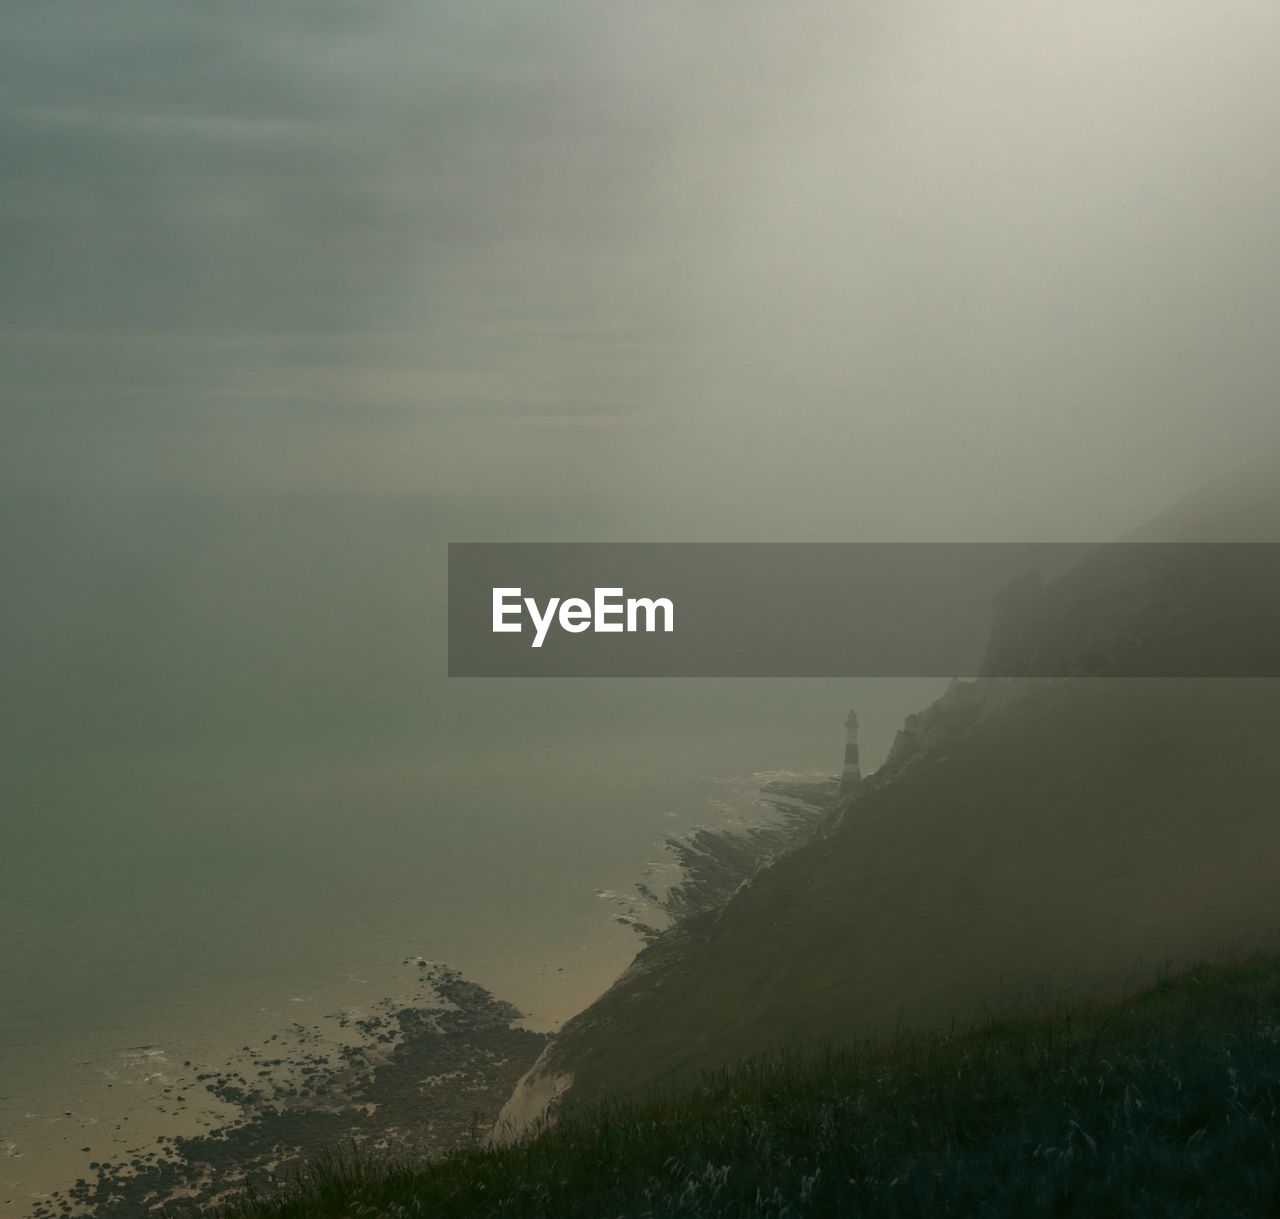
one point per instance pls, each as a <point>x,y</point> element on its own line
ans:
<point>669,270</point>
<point>330,284</point>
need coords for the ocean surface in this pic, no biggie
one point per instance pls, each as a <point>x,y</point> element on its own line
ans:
<point>191,916</point>
<point>240,797</point>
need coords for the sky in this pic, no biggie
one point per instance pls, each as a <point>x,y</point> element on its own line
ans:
<point>295,293</point>
<point>664,269</point>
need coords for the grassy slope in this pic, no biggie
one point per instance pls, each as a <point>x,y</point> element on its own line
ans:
<point>1103,828</point>
<point>1165,1102</point>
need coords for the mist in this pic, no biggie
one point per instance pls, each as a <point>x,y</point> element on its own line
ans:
<point>293,296</point>
<point>284,314</point>
<point>686,271</point>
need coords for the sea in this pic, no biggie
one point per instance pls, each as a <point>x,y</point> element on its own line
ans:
<point>241,800</point>
<point>188,921</point>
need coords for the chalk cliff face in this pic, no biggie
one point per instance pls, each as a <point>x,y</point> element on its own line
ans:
<point>1144,611</point>
<point>1080,838</point>
<point>717,866</point>
<point>1023,837</point>
<point>1135,611</point>
<point>533,1103</point>
<point>1170,596</point>
<point>929,736</point>
<point>940,727</point>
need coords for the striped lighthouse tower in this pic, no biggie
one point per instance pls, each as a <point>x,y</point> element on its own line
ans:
<point>852,774</point>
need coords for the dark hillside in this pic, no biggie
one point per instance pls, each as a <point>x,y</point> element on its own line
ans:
<point>1025,837</point>
<point>1165,1102</point>
<point>1078,838</point>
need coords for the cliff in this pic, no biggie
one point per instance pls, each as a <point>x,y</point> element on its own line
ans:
<point>1025,837</point>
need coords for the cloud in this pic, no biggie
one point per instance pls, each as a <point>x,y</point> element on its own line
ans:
<point>790,270</point>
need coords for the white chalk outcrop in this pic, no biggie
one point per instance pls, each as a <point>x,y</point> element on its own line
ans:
<point>531,1106</point>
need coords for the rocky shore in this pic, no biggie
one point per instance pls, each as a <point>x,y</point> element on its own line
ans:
<point>424,1077</point>
<point>715,864</point>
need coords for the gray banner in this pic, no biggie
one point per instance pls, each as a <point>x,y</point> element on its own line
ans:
<point>863,609</point>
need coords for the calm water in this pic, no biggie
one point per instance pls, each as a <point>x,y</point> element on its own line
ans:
<point>238,792</point>
<point>186,918</point>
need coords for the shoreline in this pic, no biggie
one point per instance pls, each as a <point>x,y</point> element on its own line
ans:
<point>421,1076</point>
<point>417,1078</point>
<point>715,866</point>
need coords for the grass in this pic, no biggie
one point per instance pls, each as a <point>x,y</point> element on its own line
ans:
<point>1165,1102</point>
<point>1095,829</point>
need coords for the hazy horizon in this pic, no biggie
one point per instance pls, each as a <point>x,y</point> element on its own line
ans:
<point>294,296</point>
<point>724,272</point>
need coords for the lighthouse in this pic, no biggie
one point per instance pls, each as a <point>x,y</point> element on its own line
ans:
<point>852,774</point>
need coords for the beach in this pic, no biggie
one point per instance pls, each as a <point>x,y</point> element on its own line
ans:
<point>215,1040</point>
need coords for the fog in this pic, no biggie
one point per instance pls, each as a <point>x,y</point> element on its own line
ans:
<point>691,270</point>
<point>293,295</point>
